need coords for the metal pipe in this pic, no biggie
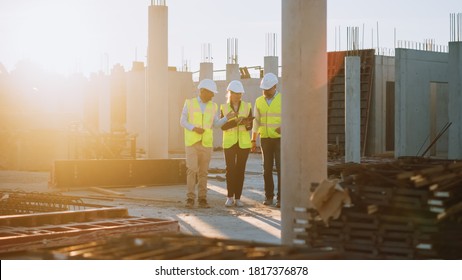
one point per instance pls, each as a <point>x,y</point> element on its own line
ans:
<point>362,43</point>
<point>443,130</point>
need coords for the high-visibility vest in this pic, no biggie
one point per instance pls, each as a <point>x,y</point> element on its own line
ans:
<point>270,116</point>
<point>198,119</point>
<point>239,133</point>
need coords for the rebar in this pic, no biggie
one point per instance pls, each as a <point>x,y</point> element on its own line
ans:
<point>352,40</point>
<point>455,27</point>
<point>426,45</point>
<point>206,53</point>
<point>232,50</point>
<point>271,44</point>
<point>20,202</point>
<point>159,2</point>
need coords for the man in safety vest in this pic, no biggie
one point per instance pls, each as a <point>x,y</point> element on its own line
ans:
<point>267,123</point>
<point>199,116</point>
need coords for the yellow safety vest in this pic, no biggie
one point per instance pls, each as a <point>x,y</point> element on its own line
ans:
<point>239,133</point>
<point>202,120</point>
<point>270,116</point>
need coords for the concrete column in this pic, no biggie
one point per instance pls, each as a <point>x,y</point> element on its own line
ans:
<point>352,109</point>
<point>104,103</point>
<point>118,99</point>
<point>157,83</point>
<point>271,65</point>
<point>136,99</point>
<point>455,100</point>
<point>304,105</point>
<point>232,72</point>
<point>206,71</point>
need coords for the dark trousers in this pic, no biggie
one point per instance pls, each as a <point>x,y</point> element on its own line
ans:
<point>236,160</point>
<point>271,153</point>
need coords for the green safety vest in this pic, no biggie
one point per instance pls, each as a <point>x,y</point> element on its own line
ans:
<point>270,116</point>
<point>202,120</point>
<point>239,133</point>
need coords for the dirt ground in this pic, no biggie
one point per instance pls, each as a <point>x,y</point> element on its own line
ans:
<point>253,222</point>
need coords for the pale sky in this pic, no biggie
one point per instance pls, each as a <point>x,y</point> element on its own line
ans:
<point>88,35</point>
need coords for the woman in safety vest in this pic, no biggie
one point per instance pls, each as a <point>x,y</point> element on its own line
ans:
<point>236,141</point>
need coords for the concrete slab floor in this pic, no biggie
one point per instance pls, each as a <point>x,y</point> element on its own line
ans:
<point>253,222</point>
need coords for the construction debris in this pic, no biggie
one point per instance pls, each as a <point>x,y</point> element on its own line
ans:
<point>13,202</point>
<point>407,209</point>
<point>175,246</point>
<point>33,231</point>
<point>42,220</point>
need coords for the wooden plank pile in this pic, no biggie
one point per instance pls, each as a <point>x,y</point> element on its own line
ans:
<point>43,230</point>
<point>177,246</point>
<point>407,209</point>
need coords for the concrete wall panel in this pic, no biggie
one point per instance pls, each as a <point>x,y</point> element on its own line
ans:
<point>455,100</point>
<point>384,72</point>
<point>415,70</point>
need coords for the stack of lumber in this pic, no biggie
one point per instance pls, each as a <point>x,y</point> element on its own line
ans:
<point>407,209</point>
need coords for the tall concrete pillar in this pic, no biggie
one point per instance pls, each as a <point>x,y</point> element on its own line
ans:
<point>271,65</point>
<point>104,102</point>
<point>455,100</point>
<point>206,71</point>
<point>157,83</point>
<point>232,72</point>
<point>352,109</point>
<point>304,105</point>
<point>136,100</point>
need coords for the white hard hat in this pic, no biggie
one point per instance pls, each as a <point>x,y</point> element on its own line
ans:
<point>208,85</point>
<point>268,81</point>
<point>235,86</point>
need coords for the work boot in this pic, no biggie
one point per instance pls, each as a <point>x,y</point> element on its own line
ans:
<point>189,203</point>
<point>278,204</point>
<point>203,203</point>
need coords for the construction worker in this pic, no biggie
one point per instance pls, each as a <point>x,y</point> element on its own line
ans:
<point>267,124</point>
<point>199,116</point>
<point>236,141</point>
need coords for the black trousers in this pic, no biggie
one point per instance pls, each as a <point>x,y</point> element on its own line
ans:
<point>236,160</point>
<point>271,153</point>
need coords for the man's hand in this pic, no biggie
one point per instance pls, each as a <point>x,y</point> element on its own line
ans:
<point>198,130</point>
